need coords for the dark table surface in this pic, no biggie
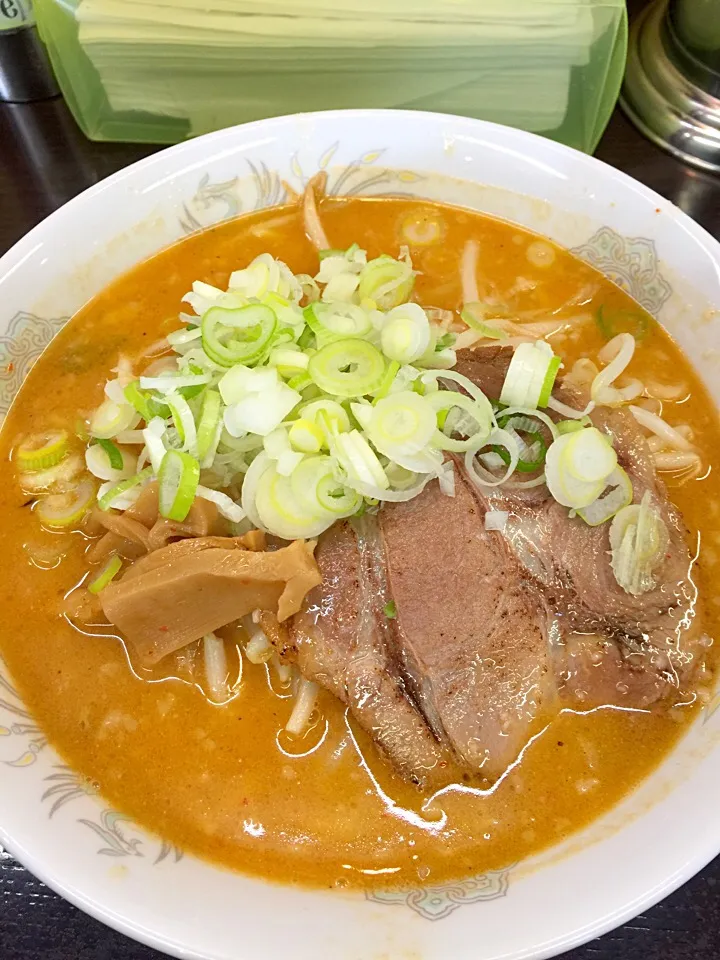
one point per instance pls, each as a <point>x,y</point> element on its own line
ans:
<point>44,161</point>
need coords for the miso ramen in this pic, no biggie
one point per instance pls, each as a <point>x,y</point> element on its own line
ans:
<point>357,543</point>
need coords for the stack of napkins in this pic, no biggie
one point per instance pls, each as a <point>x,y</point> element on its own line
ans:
<point>221,62</point>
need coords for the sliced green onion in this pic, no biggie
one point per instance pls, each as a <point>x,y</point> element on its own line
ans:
<point>572,426</point>
<point>113,454</point>
<point>638,541</point>
<point>481,477</point>
<point>405,335</point>
<point>301,382</point>
<point>612,322</point>
<point>288,362</point>
<point>109,495</point>
<point>589,455</point>
<point>260,464</point>
<point>306,436</point>
<point>178,478</point>
<point>314,486</point>
<point>185,335</point>
<point>226,505</point>
<point>577,467</point>
<point>109,464</point>
<point>335,417</point>
<point>173,382</point>
<point>337,321</point>
<point>531,375</point>
<point>210,426</point>
<point>184,421</point>
<point>388,382</point>
<point>347,368</point>
<point>66,509</point>
<point>42,451</point>
<point>239,381</point>
<point>390,610</point>
<point>358,461</point>
<point>340,288</point>
<point>402,424</point>
<point>154,434</point>
<point>142,402</point>
<point>549,381</point>
<point>280,511</point>
<point>261,413</point>
<point>386,281</point>
<point>237,336</point>
<point>617,495</point>
<point>469,315</point>
<point>111,418</point>
<point>57,478</point>
<point>195,390</point>
<point>480,411</point>
<point>537,447</point>
<point>110,570</point>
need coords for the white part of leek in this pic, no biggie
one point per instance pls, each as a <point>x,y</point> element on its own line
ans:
<point>179,337</point>
<point>405,335</point>
<point>446,479</point>
<point>112,418</point>
<point>98,463</point>
<point>123,500</point>
<point>479,476</point>
<point>249,488</point>
<point>261,414</point>
<point>156,449</point>
<point>130,437</point>
<point>226,505</point>
<point>171,383</point>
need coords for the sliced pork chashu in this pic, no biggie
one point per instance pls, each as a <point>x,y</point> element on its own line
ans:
<point>471,630</point>
<point>618,648</point>
<point>340,639</point>
<point>461,672</point>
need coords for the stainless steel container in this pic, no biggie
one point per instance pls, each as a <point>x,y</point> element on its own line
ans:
<point>672,81</point>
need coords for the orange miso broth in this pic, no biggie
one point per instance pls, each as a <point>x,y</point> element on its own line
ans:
<point>227,782</point>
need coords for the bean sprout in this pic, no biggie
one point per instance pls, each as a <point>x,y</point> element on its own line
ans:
<point>666,391</point>
<point>305,700</point>
<point>676,461</point>
<point>617,354</point>
<point>468,272</point>
<point>216,667</point>
<point>657,426</point>
<point>313,225</point>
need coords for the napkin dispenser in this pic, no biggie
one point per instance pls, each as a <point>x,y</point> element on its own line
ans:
<point>159,71</point>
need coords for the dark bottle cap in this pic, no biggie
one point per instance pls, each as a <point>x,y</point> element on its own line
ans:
<point>25,71</point>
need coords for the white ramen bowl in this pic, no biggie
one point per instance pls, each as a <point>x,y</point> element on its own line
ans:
<point>105,864</point>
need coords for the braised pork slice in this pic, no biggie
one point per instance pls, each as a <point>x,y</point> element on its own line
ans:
<point>470,627</point>
<point>609,633</point>
<point>340,640</point>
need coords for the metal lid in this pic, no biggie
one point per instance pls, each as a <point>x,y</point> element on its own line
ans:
<point>672,87</point>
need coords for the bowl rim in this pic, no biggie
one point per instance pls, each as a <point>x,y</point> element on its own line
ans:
<point>14,258</point>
